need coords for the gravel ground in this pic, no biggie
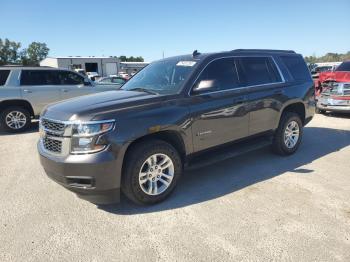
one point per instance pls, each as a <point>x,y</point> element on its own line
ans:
<point>253,207</point>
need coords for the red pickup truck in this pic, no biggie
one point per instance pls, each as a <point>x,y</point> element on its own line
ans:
<point>333,89</point>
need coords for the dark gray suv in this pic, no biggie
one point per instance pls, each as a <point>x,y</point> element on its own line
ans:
<point>139,139</point>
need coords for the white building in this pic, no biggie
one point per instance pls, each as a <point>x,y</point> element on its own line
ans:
<point>132,67</point>
<point>104,66</point>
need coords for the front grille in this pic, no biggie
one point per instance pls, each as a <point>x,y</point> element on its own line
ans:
<point>52,145</point>
<point>53,126</point>
<point>335,89</point>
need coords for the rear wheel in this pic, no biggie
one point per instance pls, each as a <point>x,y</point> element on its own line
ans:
<point>15,119</point>
<point>151,172</point>
<point>288,135</point>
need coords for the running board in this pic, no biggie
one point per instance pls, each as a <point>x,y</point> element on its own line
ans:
<point>227,152</point>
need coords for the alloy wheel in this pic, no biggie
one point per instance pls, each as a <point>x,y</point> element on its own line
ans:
<point>291,134</point>
<point>156,174</point>
<point>15,120</point>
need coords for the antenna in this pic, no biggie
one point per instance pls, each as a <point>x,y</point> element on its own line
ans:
<point>195,53</point>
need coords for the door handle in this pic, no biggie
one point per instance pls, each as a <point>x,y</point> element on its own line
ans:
<point>64,90</point>
<point>27,91</point>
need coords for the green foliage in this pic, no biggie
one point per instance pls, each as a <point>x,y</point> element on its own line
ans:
<point>10,53</point>
<point>329,57</point>
<point>123,58</point>
<point>35,53</point>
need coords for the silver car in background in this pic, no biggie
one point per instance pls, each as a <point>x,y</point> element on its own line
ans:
<point>25,91</point>
<point>112,80</point>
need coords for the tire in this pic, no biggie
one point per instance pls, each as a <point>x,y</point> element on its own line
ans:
<point>139,167</point>
<point>20,113</point>
<point>279,145</point>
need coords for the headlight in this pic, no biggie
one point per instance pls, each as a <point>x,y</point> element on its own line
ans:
<point>88,137</point>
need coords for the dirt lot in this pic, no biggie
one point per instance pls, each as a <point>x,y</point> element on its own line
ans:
<point>253,207</point>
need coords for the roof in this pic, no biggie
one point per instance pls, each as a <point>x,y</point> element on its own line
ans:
<point>84,57</point>
<point>201,56</point>
<point>263,51</point>
<point>32,67</point>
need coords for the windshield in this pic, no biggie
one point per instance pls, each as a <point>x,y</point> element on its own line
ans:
<point>162,77</point>
<point>345,66</point>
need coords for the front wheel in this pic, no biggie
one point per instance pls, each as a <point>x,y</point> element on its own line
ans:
<point>288,135</point>
<point>15,119</point>
<point>151,172</point>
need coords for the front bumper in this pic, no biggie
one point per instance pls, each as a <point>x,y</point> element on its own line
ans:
<point>340,109</point>
<point>333,105</point>
<point>93,177</point>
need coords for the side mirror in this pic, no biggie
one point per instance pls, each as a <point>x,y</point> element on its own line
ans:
<point>204,86</point>
<point>87,82</point>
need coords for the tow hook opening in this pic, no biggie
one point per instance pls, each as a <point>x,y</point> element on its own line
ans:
<point>80,182</point>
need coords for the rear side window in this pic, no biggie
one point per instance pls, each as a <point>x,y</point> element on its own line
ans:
<point>3,76</point>
<point>38,77</point>
<point>258,71</point>
<point>296,67</point>
<point>223,72</point>
<point>69,78</point>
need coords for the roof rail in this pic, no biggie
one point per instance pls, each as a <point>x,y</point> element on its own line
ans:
<point>24,66</point>
<point>264,50</point>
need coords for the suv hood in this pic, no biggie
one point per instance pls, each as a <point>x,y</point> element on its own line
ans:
<point>85,108</point>
<point>338,76</point>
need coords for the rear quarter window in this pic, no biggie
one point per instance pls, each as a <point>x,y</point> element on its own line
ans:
<point>297,67</point>
<point>3,76</point>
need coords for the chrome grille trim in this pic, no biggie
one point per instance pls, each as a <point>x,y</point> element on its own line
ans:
<point>336,89</point>
<point>56,135</point>
<point>52,145</point>
<point>52,126</point>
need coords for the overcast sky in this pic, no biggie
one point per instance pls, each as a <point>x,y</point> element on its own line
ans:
<point>147,28</point>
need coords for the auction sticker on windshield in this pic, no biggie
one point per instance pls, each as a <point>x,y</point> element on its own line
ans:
<point>186,63</point>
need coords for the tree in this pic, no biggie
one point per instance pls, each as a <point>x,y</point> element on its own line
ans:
<point>123,58</point>
<point>34,53</point>
<point>329,57</point>
<point>9,51</point>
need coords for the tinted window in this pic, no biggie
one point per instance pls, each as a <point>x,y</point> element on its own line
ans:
<point>297,67</point>
<point>106,80</point>
<point>223,72</point>
<point>259,71</point>
<point>3,76</point>
<point>118,81</point>
<point>345,66</point>
<point>69,78</point>
<point>38,77</point>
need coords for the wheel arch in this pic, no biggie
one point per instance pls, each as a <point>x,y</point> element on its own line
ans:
<point>172,137</point>
<point>17,102</point>
<point>297,107</point>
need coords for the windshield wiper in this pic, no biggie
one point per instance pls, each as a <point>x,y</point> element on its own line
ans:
<point>140,89</point>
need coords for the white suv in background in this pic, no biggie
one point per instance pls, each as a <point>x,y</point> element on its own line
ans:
<point>25,91</point>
